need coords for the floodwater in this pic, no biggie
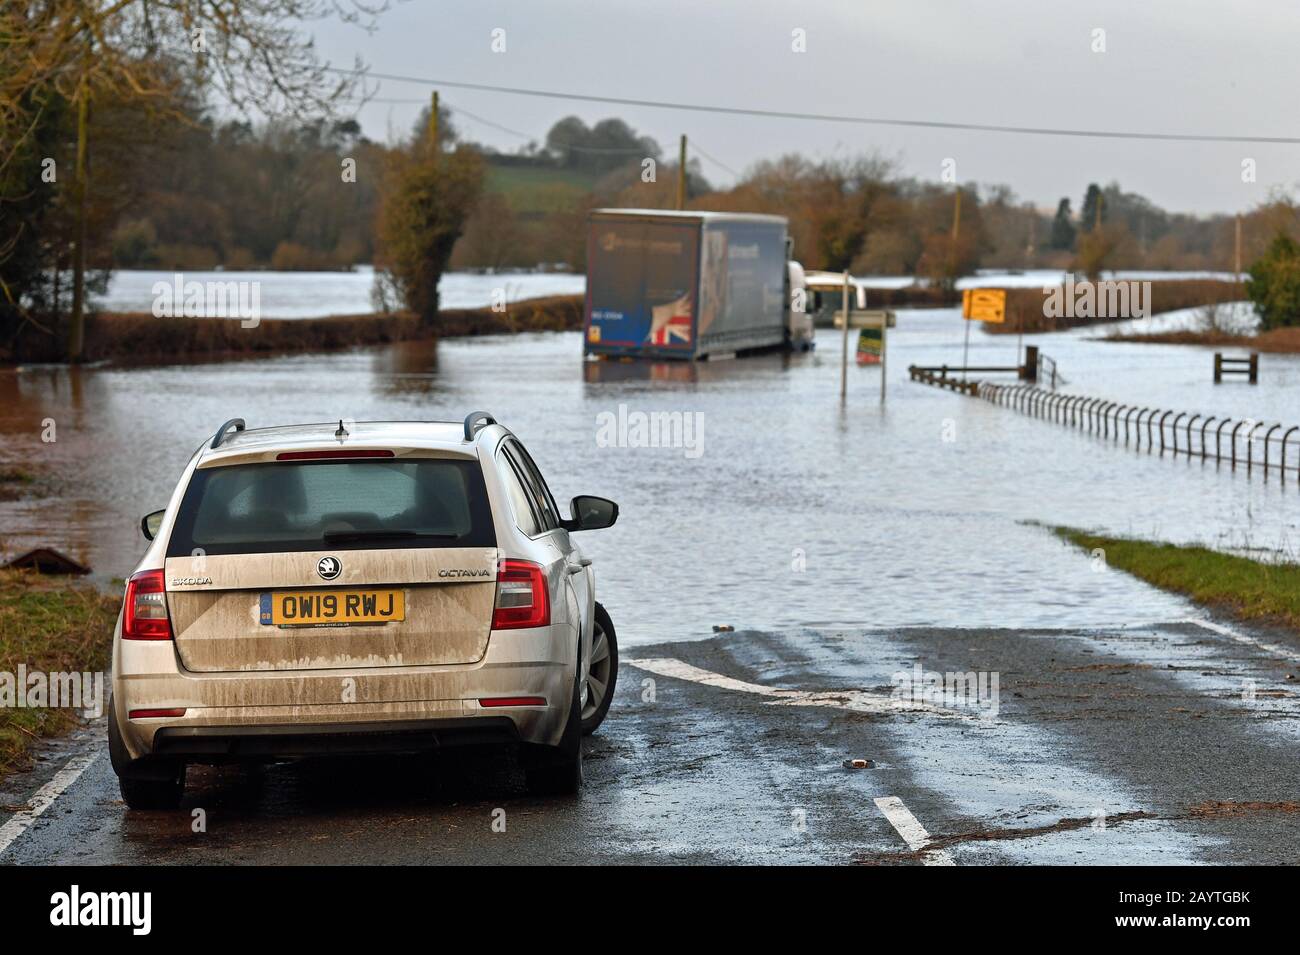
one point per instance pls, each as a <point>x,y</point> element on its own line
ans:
<point>786,510</point>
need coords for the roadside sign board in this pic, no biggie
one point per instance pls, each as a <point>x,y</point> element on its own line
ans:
<point>870,343</point>
<point>984,304</point>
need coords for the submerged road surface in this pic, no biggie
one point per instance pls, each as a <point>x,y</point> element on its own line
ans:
<point>1174,743</point>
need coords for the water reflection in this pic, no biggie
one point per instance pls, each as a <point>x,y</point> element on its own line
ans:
<point>623,370</point>
<point>407,369</point>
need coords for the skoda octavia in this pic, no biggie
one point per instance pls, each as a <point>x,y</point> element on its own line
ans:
<point>368,587</point>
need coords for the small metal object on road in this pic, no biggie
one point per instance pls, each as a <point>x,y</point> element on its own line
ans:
<point>859,764</point>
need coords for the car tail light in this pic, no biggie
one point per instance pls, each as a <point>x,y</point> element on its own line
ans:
<point>154,714</point>
<point>319,455</point>
<point>145,614</point>
<point>523,599</point>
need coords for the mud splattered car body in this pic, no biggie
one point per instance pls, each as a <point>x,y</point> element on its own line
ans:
<point>387,586</point>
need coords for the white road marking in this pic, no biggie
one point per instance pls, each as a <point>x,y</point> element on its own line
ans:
<point>1285,653</point>
<point>913,833</point>
<point>44,798</point>
<point>860,701</point>
<point>667,666</point>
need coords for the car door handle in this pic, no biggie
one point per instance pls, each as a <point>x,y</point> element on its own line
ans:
<point>583,563</point>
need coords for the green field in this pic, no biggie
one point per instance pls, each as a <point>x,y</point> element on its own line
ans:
<point>538,189</point>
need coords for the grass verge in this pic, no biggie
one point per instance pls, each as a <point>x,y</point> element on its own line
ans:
<point>51,625</point>
<point>1249,589</point>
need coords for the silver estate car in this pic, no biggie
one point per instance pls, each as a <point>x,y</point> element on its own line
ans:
<point>366,587</point>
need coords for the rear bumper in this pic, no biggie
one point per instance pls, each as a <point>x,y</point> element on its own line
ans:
<point>265,714</point>
<point>215,744</point>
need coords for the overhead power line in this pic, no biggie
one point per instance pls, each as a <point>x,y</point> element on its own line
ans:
<point>833,117</point>
<point>694,145</point>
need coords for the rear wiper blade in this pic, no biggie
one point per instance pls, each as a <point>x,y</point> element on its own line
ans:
<point>348,537</point>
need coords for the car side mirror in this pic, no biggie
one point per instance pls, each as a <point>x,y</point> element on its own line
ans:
<point>591,513</point>
<point>150,524</point>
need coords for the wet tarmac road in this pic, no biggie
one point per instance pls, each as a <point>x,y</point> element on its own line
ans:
<point>1172,743</point>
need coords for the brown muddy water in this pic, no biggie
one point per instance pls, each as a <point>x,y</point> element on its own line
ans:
<point>782,510</point>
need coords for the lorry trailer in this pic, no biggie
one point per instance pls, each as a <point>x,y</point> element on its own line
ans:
<point>690,285</point>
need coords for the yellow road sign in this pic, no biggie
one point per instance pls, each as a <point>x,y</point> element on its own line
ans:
<point>984,304</point>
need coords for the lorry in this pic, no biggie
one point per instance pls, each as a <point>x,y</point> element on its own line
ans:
<point>825,296</point>
<point>691,285</point>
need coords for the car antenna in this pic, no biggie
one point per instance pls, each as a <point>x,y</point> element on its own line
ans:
<point>342,432</point>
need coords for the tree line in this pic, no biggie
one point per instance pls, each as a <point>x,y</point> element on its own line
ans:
<point>169,135</point>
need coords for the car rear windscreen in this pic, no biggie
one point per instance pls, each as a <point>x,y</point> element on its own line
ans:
<point>333,505</point>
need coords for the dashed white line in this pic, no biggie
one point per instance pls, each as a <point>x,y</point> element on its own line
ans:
<point>913,833</point>
<point>1285,653</point>
<point>859,701</point>
<point>44,798</point>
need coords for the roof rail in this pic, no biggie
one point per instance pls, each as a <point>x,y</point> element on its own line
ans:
<point>474,419</point>
<point>236,423</point>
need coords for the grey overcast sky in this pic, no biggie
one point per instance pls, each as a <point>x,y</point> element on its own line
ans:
<point>1208,67</point>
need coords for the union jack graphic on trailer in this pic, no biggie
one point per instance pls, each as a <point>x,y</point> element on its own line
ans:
<point>671,324</point>
<point>676,331</point>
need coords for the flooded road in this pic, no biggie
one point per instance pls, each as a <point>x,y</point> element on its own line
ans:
<point>1116,746</point>
<point>846,545</point>
<point>786,510</point>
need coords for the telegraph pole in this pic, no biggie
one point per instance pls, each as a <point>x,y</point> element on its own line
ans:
<point>681,174</point>
<point>1237,258</point>
<point>433,123</point>
<point>956,231</point>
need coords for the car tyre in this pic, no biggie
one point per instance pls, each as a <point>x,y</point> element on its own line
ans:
<point>144,785</point>
<point>557,770</point>
<point>154,793</point>
<point>603,672</point>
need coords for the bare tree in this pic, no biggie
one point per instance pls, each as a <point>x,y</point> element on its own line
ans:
<point>255,54</point>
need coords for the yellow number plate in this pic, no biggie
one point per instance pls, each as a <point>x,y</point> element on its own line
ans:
<point>324,608</point>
